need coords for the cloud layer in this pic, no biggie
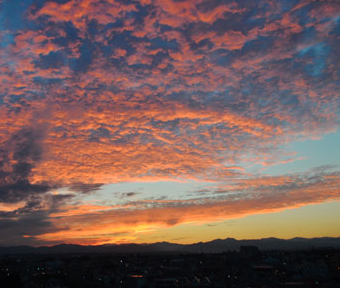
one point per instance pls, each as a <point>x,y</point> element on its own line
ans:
<point>99,92</point>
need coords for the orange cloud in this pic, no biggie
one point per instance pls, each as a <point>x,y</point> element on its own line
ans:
<point>165,90</point>
<point>92,225</point>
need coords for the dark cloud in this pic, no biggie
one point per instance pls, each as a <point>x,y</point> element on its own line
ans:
<point>22,229</point>
<point>128,194</point>
<point>20,226</point>
<point>85,188</point>
<point>18,157</point>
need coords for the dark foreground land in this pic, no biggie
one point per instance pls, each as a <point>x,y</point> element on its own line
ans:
<point>247,268</point>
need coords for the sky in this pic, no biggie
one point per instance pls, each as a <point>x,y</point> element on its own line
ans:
<point>168,120</point>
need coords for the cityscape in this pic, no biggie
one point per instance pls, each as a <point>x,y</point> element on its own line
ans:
<point>246,268</point>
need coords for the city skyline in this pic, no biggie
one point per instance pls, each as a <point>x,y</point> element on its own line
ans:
<point>168,120</point>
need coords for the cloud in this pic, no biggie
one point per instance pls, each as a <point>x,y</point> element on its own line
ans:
<point>99,92</point>
<point>18,157</point>
<point>125,195</point>
<point>245,197</point>
<point>85,188</point>
<point>23,224</point>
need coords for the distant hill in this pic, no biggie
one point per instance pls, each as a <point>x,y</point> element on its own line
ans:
<point>215,246</point>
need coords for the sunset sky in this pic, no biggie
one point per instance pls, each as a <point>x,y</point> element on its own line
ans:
<point>168,120</point>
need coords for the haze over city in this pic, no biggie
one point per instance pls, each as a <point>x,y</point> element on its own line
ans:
<point>168,120</point>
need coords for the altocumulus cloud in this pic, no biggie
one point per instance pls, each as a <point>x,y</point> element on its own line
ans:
<point>105,91</point>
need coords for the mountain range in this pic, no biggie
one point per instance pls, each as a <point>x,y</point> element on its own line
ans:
<point>215,246</point>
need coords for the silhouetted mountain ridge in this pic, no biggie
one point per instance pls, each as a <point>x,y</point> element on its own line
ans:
<point>214,246</point>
